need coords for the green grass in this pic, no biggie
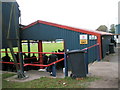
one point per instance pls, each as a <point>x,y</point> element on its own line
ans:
<point>6,75</point>
<point>49,47</point>
<point>46,82</point>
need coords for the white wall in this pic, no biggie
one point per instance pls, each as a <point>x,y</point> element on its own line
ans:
<point>117,39</point>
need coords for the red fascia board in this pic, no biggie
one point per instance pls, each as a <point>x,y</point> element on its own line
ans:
<point>29,25</point>
<point>61,26</point>
<point>65,27</point>
<point>69,28</point>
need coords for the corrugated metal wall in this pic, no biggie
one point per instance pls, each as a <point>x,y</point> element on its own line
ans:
<point>71,38</point>
<point>105,44</point>
<point>6,9</point>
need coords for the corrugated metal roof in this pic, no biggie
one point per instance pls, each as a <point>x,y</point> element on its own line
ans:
<point>92,32</point>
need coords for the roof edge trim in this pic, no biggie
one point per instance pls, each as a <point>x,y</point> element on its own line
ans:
<point>30,25</point>
<point>66,27</point>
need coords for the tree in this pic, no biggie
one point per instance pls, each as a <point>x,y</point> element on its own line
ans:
<point>112,28</point>
<point>102,28</point>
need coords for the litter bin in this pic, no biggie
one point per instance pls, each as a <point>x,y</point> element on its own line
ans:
<point>111,48</point>
<point>77,60</point>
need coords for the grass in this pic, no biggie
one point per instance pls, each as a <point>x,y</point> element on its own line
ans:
<point>46,82</point>
<point>6,75</point>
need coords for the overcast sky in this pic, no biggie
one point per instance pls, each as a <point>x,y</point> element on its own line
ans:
<point>88,14</point>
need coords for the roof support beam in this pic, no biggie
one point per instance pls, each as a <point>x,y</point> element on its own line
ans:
<point>100,45</point>
<point>40,54</point>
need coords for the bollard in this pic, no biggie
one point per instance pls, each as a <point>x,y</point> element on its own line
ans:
<point>65,65</point>
<point>86,60</point>
<point>54,70</point>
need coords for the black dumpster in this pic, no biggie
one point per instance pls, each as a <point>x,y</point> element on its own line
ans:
<point>111,48</point>
<point>77,61</point>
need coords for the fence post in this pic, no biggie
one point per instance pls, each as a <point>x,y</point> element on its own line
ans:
<point>54,70</point>
<point>98,53</point>
<point>65,65</point>
<point>86,60</point>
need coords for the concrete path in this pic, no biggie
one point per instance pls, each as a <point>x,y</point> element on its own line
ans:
<point>107,70</point>
<point>35,74</point>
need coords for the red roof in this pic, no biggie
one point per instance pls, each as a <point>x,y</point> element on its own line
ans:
<point>92,32</point>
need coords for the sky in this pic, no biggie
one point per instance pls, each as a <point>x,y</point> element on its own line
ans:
<point>86,14</point>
